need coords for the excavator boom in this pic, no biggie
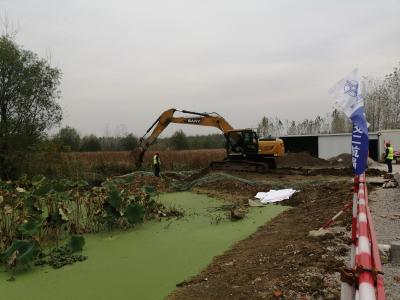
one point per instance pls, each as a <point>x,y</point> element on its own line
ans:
<point>167,117</point>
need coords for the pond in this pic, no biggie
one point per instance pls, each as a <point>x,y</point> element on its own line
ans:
<point>147,262</point>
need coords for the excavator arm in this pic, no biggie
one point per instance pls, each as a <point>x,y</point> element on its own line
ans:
<point>167,117</point>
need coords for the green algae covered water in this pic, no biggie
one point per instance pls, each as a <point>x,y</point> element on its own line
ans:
<point>144,263</point>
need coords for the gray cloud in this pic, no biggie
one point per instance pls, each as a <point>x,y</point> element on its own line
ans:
<point>124,62</point>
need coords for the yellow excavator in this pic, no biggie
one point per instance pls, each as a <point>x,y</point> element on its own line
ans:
<point>244,150</point>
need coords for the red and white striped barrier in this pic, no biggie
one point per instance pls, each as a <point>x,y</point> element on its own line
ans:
<point>376,258</point>
<point>333,219</point>
<point>366,280</point>
<point>366,287</point>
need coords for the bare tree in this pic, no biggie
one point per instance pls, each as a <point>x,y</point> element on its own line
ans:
<point>382,101</point>
<point>392,85</point>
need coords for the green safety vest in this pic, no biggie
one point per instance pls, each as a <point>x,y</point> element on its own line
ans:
<point>390,153</point>
<point>156,160</point>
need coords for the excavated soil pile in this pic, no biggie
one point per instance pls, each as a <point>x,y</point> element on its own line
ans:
<point>333,171</point>
<point>231,190</point>
<point>301,159</point>
<point>342,160</point>
<point>204,179</point>
<point>140,179</point>
<point>280,258</point>
<point>186,176</point>
<point>225,182</point>
<point>345,160</point>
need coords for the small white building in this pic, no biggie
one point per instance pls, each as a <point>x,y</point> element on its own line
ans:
<point>329,145</point>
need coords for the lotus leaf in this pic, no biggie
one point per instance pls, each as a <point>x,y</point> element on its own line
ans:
<point>150,190</point>
<point>114,197</point>
<point>43,189</point>
<point>30,228</point>
<point>77,242</point>
<point>27,251</point>
<point>134,213</point>
<point>32,204</point>
<point>61,186</point>
<point>55,219</point>
<point>29,254</point>
<point>82,183</point>
<point>38,180</point>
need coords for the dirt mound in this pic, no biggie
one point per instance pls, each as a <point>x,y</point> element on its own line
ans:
<point>140,179</point>
<point>372,163</point>
<point>186,176</point>
<point>174,175</point>
<point>375,172</point>
<point>233,186</point>
<point>343,159</point>
<point>301,159</point>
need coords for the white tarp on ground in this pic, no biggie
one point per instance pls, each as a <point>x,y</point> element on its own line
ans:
<point>275,195</point>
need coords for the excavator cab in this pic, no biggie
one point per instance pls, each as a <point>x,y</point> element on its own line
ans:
<point>241,143</point>
<point>246,152</point>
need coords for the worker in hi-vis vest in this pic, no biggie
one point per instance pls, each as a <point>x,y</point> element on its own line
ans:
<point>389,156</point>
<point>156,164</point>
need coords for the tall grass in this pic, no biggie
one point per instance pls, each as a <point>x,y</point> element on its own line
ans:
<point>95,166</point>
<point>185,159</point>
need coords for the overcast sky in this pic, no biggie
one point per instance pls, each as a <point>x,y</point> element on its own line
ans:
<point>125,61</point>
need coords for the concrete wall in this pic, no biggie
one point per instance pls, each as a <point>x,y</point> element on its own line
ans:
<point>333,145</point>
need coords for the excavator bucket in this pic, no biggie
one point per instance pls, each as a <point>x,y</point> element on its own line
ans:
<point>137,155</point>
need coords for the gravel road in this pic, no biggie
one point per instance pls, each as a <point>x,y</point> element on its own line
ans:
<point>385,210</point>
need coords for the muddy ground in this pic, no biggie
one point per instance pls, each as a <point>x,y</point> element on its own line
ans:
<point>279,259</point>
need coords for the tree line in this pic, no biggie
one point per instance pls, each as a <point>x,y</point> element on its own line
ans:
<point>335,122</point>
<point>69,139</point>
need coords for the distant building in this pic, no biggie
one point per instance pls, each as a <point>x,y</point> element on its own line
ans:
<point>330,145</point>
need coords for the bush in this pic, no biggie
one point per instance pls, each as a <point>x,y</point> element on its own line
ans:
<point>90,143</point>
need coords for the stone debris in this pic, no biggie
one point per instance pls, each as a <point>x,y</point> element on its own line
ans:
<point>389,184</point>
<point>384,252</point>
<point>237,214</point>
<point>396,177</point>
<point>321,234</point>
<point>395,253</point>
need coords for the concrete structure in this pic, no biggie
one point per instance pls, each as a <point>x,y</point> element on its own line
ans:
<point>329,145</point>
